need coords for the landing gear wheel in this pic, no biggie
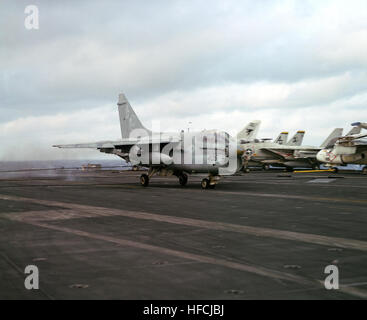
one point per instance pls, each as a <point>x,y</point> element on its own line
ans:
<point>316,167</point>
<point>246,170</point>
<point>335,170</point>
<point>205,183</point>
<point>266,167</point>
<point>144,180</point>
<point>182,179</point>
<point>364,170</point>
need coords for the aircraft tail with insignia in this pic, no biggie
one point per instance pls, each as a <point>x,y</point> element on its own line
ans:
<point>249,133</point>
<point>282,138</point>
<point>297,139</point>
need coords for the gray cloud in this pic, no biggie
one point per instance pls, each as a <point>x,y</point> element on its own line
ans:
<point>183,60</point>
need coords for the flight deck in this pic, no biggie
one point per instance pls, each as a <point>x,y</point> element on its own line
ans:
<point>263,235</point>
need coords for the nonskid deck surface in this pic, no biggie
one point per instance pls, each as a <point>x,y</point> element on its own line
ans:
<point>262,235</point>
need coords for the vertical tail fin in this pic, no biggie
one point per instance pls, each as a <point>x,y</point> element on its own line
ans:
<point>249,133</point>
<point>297,139</point>
<point>331,139</point>
<point>354,130</point>
<point>282,138</point>
<point>128,119</point>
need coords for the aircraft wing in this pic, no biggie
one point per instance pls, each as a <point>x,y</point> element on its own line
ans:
<point>119,143</point>
<point>92,145</point>
<point>278,153</point>
<point>286,153</point>
<point>346,140</point>
<point>306,153</point>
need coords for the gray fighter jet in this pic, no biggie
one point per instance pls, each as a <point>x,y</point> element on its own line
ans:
<point>349,149</point>
<point>249,136</point>
<point>211,152</point>
<point>288,156</point>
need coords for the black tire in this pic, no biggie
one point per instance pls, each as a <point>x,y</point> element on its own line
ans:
<point>205,183</point>
<point>144,180</point>
<point>335,170</point>
<point>246,170</point>
<point>182,179</point>
<point>266,167</point>
<point>316,167</point>
<point>364,170</point>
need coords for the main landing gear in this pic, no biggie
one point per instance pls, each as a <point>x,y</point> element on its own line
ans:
<point>246,170</point>
<point>210,182</point>
<point>144,180</point>
<point>182,179</point>
<point>207,183</point>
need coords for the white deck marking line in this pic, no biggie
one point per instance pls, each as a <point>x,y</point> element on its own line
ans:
<point>181,254</point>
<point>261,271</point>
<point>84,211</point>
<point>31,216</point>
<point>275,195</point>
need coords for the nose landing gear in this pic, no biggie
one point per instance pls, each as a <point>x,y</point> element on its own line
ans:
<point>144,178</point>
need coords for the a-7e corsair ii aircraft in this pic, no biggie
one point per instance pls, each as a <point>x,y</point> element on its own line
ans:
<point>288,155</point>
<point>349,149</point>
<point>212,152</point>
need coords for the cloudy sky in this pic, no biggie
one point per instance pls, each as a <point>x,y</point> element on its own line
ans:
<point>217,64</point>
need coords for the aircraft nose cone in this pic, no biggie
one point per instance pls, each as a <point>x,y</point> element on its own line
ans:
<point>321,155</point>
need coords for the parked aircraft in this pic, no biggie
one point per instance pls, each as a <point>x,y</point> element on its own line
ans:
<point>349,149</point>
<point>288,156</point>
